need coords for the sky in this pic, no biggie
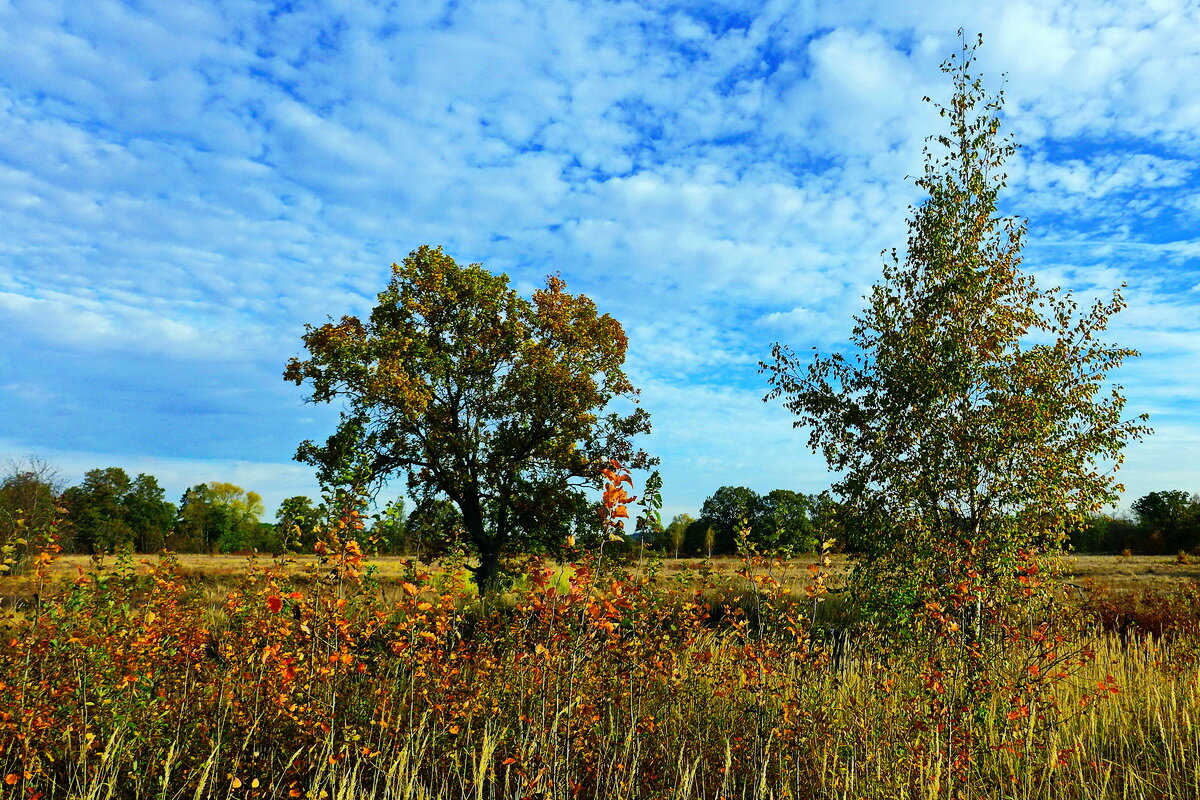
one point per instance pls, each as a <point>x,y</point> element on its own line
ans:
<point>183,186</point>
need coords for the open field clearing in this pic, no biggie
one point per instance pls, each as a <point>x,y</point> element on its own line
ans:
<point>1115,571</point>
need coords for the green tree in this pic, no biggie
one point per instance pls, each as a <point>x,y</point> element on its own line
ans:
<point>220,517</point>
<point>1170,519</point>
<point>296,522</point>
<point>971,422</point>
<point>109,511</point>
<point>95,511</point>
<point>147,513</point>
<point>674,535</point>
<point>785,521</point>
<point>478,396</point>
<point>1103,533</point>
<point>389,530</point>
<point>726,511</point>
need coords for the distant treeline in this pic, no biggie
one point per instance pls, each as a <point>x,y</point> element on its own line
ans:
<point>779,520</point>
<point>1161,522</point>
<point>110,511</point>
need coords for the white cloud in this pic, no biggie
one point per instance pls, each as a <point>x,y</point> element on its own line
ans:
<point>182,187</point>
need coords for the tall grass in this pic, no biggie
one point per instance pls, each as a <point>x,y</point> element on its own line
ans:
<point>584,683</point>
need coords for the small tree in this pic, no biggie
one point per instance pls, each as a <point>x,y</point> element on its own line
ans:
<point>297,520</point>
<point>972,426</point>
<point>477,395</point>
<point>676,531</point>
<point>29,492</point>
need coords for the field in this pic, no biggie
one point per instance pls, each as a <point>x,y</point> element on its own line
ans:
<point>1151,573</point>
<point>347,677</point>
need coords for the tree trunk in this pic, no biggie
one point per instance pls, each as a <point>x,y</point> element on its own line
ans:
<point>487,573</point>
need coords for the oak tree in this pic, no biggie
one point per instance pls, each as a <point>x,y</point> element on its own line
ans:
<point>495,402</point>
<point>972,421</point>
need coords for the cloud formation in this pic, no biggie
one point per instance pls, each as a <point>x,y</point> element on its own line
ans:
<point>184,186</point>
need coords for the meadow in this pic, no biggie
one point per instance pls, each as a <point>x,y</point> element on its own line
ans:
<point>340,676</point>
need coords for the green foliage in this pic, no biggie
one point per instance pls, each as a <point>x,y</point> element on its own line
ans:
<point>28,503</point>
<point>972,422</point>
<point>476,395</point>
<point>109,512</point>
<point>786,522</point>
<point>1163,522</point>
<point>297,521</point>
<point>726,512</point>
<point>434,528</point>
<point>1169,519</point>
<point>780,521</point>
<point>649,528</point>
<point>218,517</point>
<point>389,530</point>
<point>675,533</point>
<point>1103,533</point>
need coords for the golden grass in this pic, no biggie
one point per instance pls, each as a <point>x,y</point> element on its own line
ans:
<point>1126,572</point>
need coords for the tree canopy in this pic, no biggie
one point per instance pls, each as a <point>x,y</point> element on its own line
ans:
<point>222,517</point>
<point>971,421</point>
<point>475,394</point>
<point>108,511</point>
<point>1171,519</point>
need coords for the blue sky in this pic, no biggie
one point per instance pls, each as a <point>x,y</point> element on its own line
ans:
<point>184,185</point>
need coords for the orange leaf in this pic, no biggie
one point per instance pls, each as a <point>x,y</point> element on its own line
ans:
<point>275,604</point>
<point>11,778</point>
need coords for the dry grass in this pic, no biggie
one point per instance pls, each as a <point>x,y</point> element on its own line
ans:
<point>1118,572</point>
<point>1132,572</point>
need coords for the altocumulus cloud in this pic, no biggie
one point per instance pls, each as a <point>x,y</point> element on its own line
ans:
<point>183,186</point>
